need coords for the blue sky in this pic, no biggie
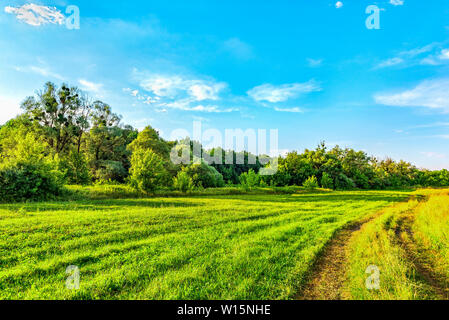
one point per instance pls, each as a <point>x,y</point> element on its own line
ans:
<point>311,69</point>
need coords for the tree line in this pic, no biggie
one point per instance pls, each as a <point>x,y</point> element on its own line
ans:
<point>63,137</point>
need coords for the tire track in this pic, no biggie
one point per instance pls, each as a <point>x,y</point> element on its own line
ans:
<point>328,273</point>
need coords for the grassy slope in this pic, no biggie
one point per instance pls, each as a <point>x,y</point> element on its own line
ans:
<point>215,247</point>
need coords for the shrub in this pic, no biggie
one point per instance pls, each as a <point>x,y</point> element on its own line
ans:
<point>183,182</point>
<point>27,171</point>
<point>326,181</point>
<point>204,176</point>
<point>249,179</point>
<point>25,181</point>
<point>311,183</point>
<point>147,171</point>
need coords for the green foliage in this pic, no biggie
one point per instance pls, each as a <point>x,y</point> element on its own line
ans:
<point>106,149</point>
<point>311,183</point>
<point>88,143</point>
<point>250,180</point>
<point>74,167</point>
<point>204,176</point>
<point>108,170</point>
<point>242,162</point>
<point>29,181</point>
<point>326,181</point>
<point>183,182</point>
<point>342,182</point>
<point>27,173</point>
<point>147,171</point>
<point>62,114</point>
<point>149,139</point>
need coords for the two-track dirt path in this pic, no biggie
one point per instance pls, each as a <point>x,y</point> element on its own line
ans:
<point>420,260</point>
<point>329,271</point>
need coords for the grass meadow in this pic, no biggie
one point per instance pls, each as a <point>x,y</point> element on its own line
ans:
<point>218,246</point>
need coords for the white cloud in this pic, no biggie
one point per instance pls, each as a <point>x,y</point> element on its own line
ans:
<point>272,93</point>
<point>203,91</point>
<point>181,93</point>
<point>90,86</point>
<point>432,94</point>
<point>397,2</point>
<point>339,4</point>
<point>444,54</point>
<point>418,51</point>
<point>389,63</point>
<point>175,86</point>
<point>9,108</point>
<point>292,110</point>
<point>36,15</point>
<point>415,57</point>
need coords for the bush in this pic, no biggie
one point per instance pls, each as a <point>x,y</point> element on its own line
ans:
<point>183,182</point>
<point>249,179</point>
<point>27,181</point>
<point>311,183</point>
<point>147,171</point>
<point>27,171</point>
<point>204,176</point>
<point>326,181</point>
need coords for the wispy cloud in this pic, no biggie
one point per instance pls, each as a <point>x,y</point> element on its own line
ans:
<point>272,93</point>
<point>432,125</point>
<point>189,105</point>
<point>90,86</point>
<point>40,70</point>
<point>164,86</point>
<point>180,92</point>
<point>432,94</point>
<point>397,2</point>
<point>291,110</point>
<point>432,54</point>
<point>36,15</point>
<point>389,63</point>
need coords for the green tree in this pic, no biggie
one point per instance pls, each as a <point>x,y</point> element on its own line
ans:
<point>204,176</point>
<point>147,171</point>
<point>61,112</point>
<point>183,182</point>
<point>311,183</point>
<point>326,181</point>
<point>250,179</point>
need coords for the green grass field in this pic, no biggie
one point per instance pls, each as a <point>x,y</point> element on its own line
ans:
<point>257,246</point>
